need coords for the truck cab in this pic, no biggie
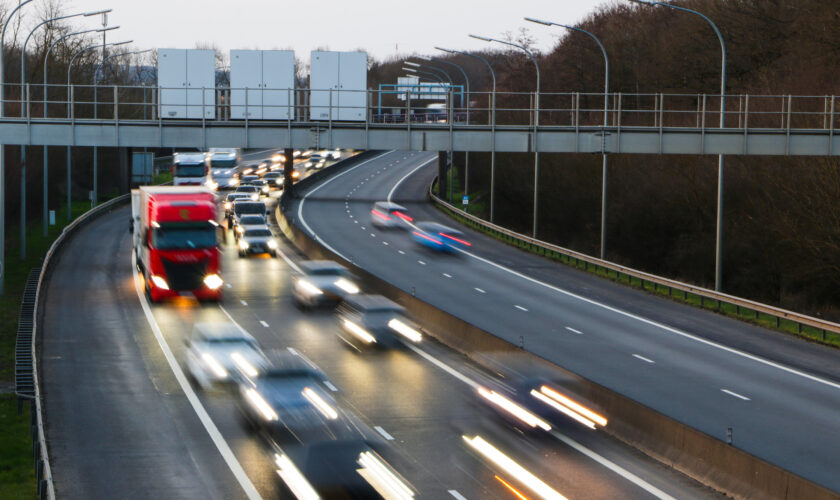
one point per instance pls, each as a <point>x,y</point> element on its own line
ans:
<point>176,242</point>
<point>189,169</point>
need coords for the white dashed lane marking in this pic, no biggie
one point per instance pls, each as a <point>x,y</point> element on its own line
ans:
<point>421,262</point>
<point>574,331</point>
<point>243,302</point>
<point>401,252</point>
<point>384,433</point>
<point>479,290</point>
<point>330,386</point>
<point>263,323</point>
<point>447,275</point>
<point>735,394</point>
<point>520,307</point>
<point>646,360</point>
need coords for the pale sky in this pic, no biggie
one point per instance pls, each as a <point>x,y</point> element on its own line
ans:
<point>383,28</point>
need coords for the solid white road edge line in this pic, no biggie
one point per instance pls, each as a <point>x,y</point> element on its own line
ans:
<point>200,411</point>
<point>393,189</point>
<point>641,483</point>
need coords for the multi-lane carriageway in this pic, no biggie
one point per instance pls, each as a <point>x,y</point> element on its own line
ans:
<point>123,422</point>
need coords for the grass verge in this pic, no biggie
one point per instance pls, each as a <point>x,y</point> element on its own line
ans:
<point>731,310</point>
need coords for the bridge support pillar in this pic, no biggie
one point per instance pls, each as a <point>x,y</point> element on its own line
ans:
<point>288,169</point>
<point>443,172</point>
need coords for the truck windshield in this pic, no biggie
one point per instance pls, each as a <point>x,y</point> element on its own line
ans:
<point>189,170</point>
<point>182,237</point>
<point>222,162</point>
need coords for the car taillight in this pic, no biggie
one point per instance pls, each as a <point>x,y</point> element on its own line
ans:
<point>425,236</point>
<point>465,243</point>
<point>403,216</point>
<point>380,215</point>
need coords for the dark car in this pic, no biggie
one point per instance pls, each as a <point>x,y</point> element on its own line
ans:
<point>373,320</point>
<point>289,402</point>
<point>256,240</point>
<point>274,180</point>
<point>232,197</point>
<point>245,207</point>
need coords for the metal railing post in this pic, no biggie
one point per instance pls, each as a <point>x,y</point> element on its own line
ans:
<point>831,129</point>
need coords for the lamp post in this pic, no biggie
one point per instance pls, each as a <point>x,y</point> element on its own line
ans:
<point>23,147</point>
<point>536,121</point>
<point>719,223</point>
<point>604,171</point>
<point>492,127</point>
<point>46,89</point>
<point>431,69</point>
<point>70,106</point>
<point>3,150</point>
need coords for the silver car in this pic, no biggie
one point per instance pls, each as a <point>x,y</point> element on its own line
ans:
<point>257,240</point>
<point>218,352</point>
<point>322,282</point>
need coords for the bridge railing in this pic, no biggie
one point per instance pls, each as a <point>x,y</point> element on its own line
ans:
<point>33,102</point>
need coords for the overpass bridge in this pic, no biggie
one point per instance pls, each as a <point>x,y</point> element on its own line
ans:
<point>127,116</point>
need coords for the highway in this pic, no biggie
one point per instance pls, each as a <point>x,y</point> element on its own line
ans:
<point>705,370</point>
<point>123,421</point>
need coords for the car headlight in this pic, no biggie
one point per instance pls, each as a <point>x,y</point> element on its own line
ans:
<point>272,244</point>
<point>255,197</point>
<point>228,205</point>
<point>243,245</point>
<point>265,189</point>
<point>160,282</point>
<point>308,288</point>
<point>233,182</point>
<point>239,229</point>
<point>295,174</point>
<point>346,285</point>
<point>214,365</point>
<point>213,281</point>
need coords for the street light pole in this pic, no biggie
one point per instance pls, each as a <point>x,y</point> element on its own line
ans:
<point>70,105</point>
<point>46,89</point>
<point>536,122</point>
<point>719,222</point>
<point>604,170</point>
<point>3,150</point>
<point>23,147</point>
<point>492,127</point>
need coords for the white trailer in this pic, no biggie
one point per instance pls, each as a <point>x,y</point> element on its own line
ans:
<point>263,83</point>
<point>338,83</point>
<point>187,82</point>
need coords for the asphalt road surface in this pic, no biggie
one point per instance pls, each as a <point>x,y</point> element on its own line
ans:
<point>122,422</point>
<point>779,395</point>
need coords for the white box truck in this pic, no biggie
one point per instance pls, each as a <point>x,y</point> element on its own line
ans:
<point>187,82</point>
<point>338,86</point>
<point>263,83</point>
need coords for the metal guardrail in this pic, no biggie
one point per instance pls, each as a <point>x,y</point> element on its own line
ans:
<point>24,381</point>
<point>709,299</point>
<point>43,473</point>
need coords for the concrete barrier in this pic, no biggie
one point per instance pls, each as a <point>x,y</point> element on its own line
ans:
<point>696,454</point>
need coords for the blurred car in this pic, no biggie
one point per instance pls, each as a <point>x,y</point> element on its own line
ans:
<point>439,237</point>
<point>322,282</point>
<point>249,169</point>
<point>256,240</point>
<point>386,214</point>
<point>248,180</point>
<point>262,185</point>
<point>253,191</point>
<point>287,400</point>
<point>341,469</point>
<point>278,157</point>
<point>262,167</point>
<point>232,197</point>
<point>222,179</point>
<point>315,162</point>
<point>334,154</point>
<point>216,352</point>
<point>249,221</point>
<point>245,207</point>
<point>373,320</point>
<point>274,180</point>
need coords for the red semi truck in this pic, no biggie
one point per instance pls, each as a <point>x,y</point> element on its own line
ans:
<point>176,241</point>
